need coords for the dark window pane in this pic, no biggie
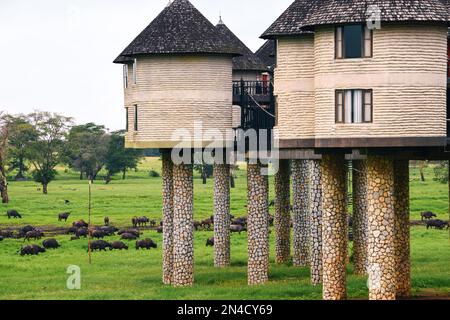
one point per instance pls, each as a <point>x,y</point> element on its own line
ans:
<point>353,37</point>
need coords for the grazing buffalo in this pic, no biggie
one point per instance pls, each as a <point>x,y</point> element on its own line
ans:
<point>13,214</point>
<point>63,216</point>
<point>427,215</point>
<point>206,224</point>
<point>160,230</point>
<point>118,245</point>
<point>240,221</point>
<point>24,230</point>
<point>237,228</point>
<point>197,225</point>
<point>98,234</point>
<point>6,234</point>
<point>128,236</point>
<point>140,222</point>
<point>66,202</point>
<point>106,220</point>
<point>82,232</point>
<point>153,223</point>
<point>108,230</point>
<point>131,231</point>
<point>210,242</point>
<point>437,224</point>
<point>146,244</point>
<point>50,244</point>
<point>36,235</point>
<point>80,224</point>
<point>100,245</point>
<point>31,250</point>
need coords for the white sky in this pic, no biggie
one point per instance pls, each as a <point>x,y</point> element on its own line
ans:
<point>57,55</point>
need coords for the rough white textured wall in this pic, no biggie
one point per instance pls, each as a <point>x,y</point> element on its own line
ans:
<point>173,92</point>
<point>407,74</point>
<point>294,87</point>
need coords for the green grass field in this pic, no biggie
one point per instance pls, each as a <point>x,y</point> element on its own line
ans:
<point>137,275</point>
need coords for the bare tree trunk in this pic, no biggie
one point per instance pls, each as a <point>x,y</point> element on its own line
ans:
<point>204,177</point>
<point>4,190</point>
<point>124,174</point>
<point>81,175</point>
<point>45,188</point>
<point>422,166</point>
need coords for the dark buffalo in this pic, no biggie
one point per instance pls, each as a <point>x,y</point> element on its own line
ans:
<point>160,230</point>
<point>153,223</point>
<point>100,245</point>
<point>72,230</point>
<point>50,244</point>
<point>197,225</point>
<point>118,245</point>
<point>210,242</point>
<point>146,244</point>
<point>108,230</point>
<point>82,232</point>
<point>437,224</point>
<point>63,216</point>
<point>24,230</point>
<point>98,234</point>
<point>237,228</point>
<point>13,214</point>
<point>206,224</point>
<point>131,231</point>
<point>427,215</point>
<point>80,224</point>
<point>35,234</point>
<point>128,236</point>
<point>31,250</point>
<point>106,220</point>
<point>6,234</point>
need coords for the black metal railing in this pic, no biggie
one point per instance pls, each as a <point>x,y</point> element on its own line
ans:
<point>257,103</point>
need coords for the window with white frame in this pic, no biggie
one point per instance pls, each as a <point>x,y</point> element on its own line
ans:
<point>354,106</point>
<point>353,41</point>
<point>135,71</point>
<point>125,76</point>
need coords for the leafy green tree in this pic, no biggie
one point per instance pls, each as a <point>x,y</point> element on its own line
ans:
<point>21,133</point>
<point>86,149</point>
<point>119,159</point>
<point>45,151</point>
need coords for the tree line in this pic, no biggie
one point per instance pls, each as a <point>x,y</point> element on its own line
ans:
<point>38,142</point>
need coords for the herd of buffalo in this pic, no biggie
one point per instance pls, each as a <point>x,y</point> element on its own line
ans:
<point>80,229</point>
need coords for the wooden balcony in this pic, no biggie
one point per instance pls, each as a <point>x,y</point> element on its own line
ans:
<point>257,104</point>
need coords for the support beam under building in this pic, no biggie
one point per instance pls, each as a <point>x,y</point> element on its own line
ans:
<point>300,217</point>
<point>282,213</point>
<point>258,225</point>
<point>316,242</point>
<point>334,229</point>
<point>402,228</point>
<point>360,222</point>
<point>381,235</point>
<point>183,220</point>
<point>222,215</point>
<point>167,178</point>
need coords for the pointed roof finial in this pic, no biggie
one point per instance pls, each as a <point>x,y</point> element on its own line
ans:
<point>220,18</point>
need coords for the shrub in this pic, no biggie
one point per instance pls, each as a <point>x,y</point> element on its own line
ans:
<point>441,172</point>
<point>154,174</point>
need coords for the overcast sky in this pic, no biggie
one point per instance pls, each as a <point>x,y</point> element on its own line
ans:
<point>57,55</point>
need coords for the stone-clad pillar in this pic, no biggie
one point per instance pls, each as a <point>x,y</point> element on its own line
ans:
<point>258,225</point>
<point>334,229</point>
<point>282,213</point>
<point>183,220</point>
<point>360,216</point>
<point>167,177</point>
<point>315,200</point>
<point>300,173</point>
<point>222,215</point>
<point>381,218</point>
<point>402,228</point>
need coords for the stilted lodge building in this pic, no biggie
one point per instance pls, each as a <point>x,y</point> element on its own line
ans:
<point>356,81</point>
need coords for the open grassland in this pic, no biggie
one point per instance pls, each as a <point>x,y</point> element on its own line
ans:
<point>137,275</point>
